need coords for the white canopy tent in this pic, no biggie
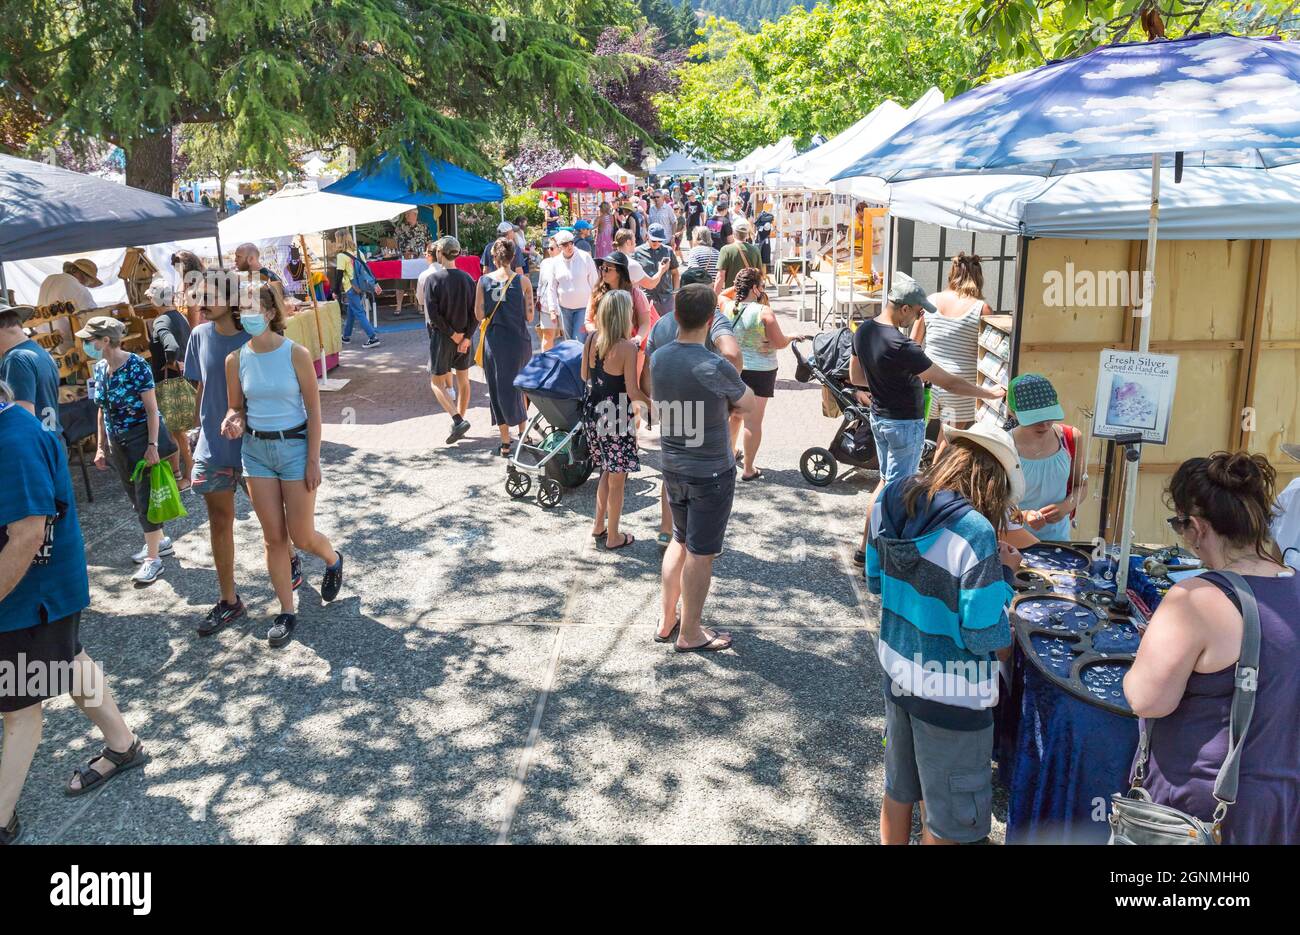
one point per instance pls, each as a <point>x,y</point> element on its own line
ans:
<point>303,210</point>
<point>805,170</point>
<point>886,125</point>
<point>1209,204</point>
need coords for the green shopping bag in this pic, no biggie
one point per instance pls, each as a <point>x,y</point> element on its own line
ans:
<point>164,496</point>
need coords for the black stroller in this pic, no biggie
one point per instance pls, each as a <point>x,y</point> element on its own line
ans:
<point>562,457</point>
<point>852,444</point>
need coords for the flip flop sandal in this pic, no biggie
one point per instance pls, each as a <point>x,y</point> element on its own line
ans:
<point>628,539</point>
<point>92,779</point>
<point>600,535</point>
<point>755,476</point>
<point>672,634</point>
<point>714,645</point>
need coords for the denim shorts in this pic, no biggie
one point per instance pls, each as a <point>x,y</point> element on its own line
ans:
<point>701,508</point>
<point>210,478</point>
<point>279,458</point>
<point>899,446</point>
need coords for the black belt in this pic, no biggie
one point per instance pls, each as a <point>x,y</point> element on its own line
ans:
<point>286,435</point>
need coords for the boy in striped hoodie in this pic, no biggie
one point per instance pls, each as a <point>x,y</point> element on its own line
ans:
<point>944,579</point>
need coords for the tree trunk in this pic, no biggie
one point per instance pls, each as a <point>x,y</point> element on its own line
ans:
<point>149,163</point>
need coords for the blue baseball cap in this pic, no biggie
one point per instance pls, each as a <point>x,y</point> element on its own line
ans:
<point>657,232</point>
<point>582,226</point>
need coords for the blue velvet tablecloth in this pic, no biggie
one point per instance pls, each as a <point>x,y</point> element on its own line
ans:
<point>1061,759</point>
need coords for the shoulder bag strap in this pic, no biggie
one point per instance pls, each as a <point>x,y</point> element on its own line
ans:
<point>1245,687</point>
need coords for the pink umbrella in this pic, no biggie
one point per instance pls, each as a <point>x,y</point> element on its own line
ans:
<point>577,180</point>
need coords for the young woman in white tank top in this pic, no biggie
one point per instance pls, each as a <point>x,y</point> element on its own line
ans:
<point>950,336</point>
<point>274,405</point>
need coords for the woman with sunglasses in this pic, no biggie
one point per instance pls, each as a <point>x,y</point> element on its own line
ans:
<point>1183,677</point>
<point>615,274</point>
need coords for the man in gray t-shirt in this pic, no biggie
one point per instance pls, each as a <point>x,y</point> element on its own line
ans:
<point>695,391</point>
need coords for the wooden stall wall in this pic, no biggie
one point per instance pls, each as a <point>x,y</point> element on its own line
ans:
<point>1226,308</point>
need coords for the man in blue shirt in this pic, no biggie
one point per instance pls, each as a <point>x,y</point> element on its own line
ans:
<point>43,590</point>
<point>28,368</point>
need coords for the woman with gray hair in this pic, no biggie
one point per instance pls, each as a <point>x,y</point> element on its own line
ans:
<point>131,429</point>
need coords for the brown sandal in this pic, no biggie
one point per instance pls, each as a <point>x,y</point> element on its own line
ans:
<point>92,778</point>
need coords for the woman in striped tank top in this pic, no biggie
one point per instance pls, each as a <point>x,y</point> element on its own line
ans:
<point>950,336</point>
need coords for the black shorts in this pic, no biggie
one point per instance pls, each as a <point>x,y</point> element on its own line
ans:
<point>701,508</point>
<point>47,645</point>
<point>443,356</point>
<point>762,382</point>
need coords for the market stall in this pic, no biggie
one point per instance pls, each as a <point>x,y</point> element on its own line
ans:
<point>1117,357</point>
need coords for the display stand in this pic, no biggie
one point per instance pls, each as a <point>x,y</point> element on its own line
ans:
<point>993,361</point>
<point>324,383</point>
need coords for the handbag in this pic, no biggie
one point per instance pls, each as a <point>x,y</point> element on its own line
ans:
<point>176,397</point>
<point>1134,817</point>
<point>483,325</point>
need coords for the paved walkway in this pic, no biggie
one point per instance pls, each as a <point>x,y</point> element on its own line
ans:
<point>487,673</point>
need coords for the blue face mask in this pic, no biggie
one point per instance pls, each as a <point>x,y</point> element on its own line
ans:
<point>93,352</point>
<point>254,322</point>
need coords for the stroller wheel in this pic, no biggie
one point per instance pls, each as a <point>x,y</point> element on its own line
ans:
<point>517,484</point>
<point>549,493</point>
<point>818,467</point>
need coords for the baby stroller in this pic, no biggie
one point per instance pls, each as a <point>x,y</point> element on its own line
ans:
<point>852,444</point>
<point>562,458</point>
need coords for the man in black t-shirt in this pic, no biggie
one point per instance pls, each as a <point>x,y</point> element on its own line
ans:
<point>895,368</point>
<point>449,317</point>
<point>720,225</point>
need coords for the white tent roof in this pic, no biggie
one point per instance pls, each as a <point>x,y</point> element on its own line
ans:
<point>867,188</point>
<point>1209,204</point>
<point>614,171</point>
<point>806,171</point>
<point>781,151</point>
<point>303,210</point>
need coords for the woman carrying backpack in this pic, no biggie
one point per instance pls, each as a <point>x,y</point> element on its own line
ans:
<point>356,281</point>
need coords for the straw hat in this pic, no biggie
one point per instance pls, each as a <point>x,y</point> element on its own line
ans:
<point>86,268</point>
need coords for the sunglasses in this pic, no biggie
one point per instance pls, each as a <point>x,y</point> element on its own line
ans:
<point>1178,523</point>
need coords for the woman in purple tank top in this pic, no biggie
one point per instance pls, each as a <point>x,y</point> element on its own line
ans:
<point>1184,670</point>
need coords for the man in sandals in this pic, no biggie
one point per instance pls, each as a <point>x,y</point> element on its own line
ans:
<point>43,590</point>
<point>695,393</point>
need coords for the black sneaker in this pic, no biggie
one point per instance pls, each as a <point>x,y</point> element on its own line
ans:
<point>333,580</point>
<point>458,430</point>
<point>346,340</point>
<point>281,631</point>
<point>372,342</point>
<point>220,615</point>
<point>11,832</point>
<point>295,571</point>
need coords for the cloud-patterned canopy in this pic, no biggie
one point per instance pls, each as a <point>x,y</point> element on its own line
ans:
<point>1221,100</point>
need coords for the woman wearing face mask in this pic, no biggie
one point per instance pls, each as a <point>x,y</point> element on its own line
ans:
<point>274,405</point>
<point>1182,680</point>
<point>130,427</point>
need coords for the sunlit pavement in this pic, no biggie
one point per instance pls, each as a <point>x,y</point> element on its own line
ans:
<point>487,673</point>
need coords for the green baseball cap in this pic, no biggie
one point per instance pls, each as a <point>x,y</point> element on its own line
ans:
<point>1033,399</point>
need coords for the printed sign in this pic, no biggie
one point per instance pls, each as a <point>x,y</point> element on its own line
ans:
<point>1135,393</point>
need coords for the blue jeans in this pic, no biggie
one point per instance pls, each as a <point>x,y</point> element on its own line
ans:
<point>574,322</point>
<point>355,304</point>
<point>899,445</point>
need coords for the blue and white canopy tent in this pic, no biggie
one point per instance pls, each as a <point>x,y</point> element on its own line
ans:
<point>382,180</point>
<point>1217,101</point>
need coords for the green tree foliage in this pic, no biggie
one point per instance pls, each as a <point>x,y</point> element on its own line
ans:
<point>816,71</point>
<point>1027,33</point>
<point>750,13</point>
<point>442,76</point>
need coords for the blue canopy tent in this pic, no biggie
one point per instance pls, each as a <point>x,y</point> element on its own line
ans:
<point>382,180</point>
<point>48,211</point>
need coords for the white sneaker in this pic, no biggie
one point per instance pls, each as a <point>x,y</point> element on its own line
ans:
<point>164,548</point>
<point>148,572</point>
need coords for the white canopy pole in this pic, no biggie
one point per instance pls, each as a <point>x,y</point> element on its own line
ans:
<point>1132,468</point>
<point>835,256</point>
<point>323,383</point>
<point>806,265</point>
<point>853,245</point>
